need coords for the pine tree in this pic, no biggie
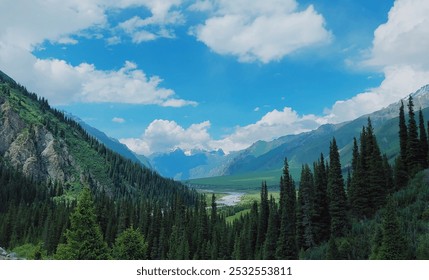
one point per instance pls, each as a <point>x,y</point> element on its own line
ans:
<point>401,163</point>
<point>286,244</point>
<point>424,148</point>
<point>84,240</point>
<point>269,249</point>
<point>321,219</point>
<point>306,199</point>
<point>263,217</point>
<point>413,142</point>
<point>403,134</point>
<point>357,196</point>
<point>130,245</point>
<point>368,183</point>
<point>393,245</point>
<point>253,230</point>
<point>336,194</point>
<point>377,178</point>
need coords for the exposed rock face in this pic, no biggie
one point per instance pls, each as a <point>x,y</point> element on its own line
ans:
<point>32,149</point>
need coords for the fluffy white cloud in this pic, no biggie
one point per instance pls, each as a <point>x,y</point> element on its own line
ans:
<point>272,125</point>
<point>399,50</point>
<point>404,38</point>
<point>262,30</point>
<point>398,83</point>
<point>164,136</point>
<point>157,25</point>
<point>61,82</point>
<point>25,24</point>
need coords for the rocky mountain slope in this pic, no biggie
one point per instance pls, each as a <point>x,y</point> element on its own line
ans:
<point>46,145</point>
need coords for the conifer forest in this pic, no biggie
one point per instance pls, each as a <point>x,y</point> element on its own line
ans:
<point>375,207</point>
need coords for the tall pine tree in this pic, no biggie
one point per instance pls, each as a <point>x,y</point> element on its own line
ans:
<point>263,219</point>
<point>336,193</point>
<point>84,240</point>
<point>321,219</point>
<point>413,142</point>
<point>286,244</point>
<point>424,148</point>
<point>306,201</point>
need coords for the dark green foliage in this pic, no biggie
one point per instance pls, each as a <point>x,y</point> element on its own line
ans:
<point>336,194</point>
<point>27,212</point>
<point>321,219</point>
<point>306,207</point>
<point>287,243</point>
<point>270,243</point>
<point>357,193</point>
<point>371,176</point>
<point>403,134</point>
<point>393,243</point>
<point>332,251</point>
<point>84,239</point>
<point>400,174</point>
<point>135,214</point>
<point>424,148</point>
<point>130,245</point>
<point>388,175</point>
<point>263,218</point>
<point>413,142</point>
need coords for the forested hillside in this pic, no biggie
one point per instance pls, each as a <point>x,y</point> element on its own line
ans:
<point>64,195</point>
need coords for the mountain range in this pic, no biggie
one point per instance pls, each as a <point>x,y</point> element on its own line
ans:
<point>268,156</point>
<point>261,157</point>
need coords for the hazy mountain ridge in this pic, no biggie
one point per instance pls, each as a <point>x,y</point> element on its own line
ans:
<point>298,148</point>
<point>182,165</point>
<point>306,147</point>
<point>112,143</point>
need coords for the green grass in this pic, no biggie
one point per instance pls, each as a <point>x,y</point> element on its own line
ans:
<point>239,183</point>
<point>237,215</point>
<point>249,198</point>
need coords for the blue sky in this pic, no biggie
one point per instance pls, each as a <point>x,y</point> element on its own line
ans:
<point>213,74</point>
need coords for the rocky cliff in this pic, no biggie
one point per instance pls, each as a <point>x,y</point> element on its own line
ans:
<point>32,148</point>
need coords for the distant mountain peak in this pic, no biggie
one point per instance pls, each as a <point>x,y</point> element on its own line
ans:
<point>424,90</point>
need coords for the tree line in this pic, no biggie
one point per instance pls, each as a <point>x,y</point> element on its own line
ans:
<point>144,216</point>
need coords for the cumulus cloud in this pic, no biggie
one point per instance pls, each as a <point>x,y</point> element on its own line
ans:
<point>404,38</point>
<point>59,81</point>
<point>165,135</point>
<point>62,83</point>
<point>52,21</point>
<point>398,83</point>
<point>159,24</point>
<point>263,30</point>
<point>272,125</point>
<point>399,51</point>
